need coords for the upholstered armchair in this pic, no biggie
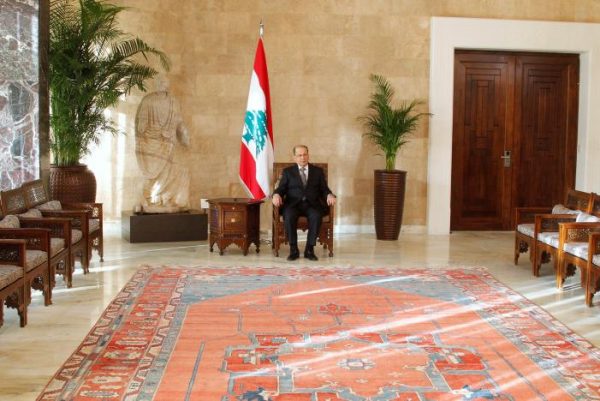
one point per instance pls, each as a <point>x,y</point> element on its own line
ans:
<point>325,236</point>
<point>13,287</point>
<point>526,236</point>
<point>67,232</point>
<point>37,266</point>
<point>38,197</point>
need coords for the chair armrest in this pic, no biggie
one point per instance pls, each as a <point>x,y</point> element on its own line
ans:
<point>527,214</point>
<point>79,218</point>
<point>95,208</point>
<point>12,252</point>
<point>576,232</point>
<point>594,246</point>
<point>59,227</point>
<point>37,238</point>
<point>550,222</point>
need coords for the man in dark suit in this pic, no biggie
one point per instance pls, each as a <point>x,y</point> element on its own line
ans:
<point>303,191</point>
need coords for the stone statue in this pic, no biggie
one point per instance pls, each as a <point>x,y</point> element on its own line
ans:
<point>159,129</point>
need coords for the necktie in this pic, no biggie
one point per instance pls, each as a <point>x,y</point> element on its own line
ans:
<point>303,175</point>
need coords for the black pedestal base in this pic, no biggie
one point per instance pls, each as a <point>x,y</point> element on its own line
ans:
<point>191,226</point>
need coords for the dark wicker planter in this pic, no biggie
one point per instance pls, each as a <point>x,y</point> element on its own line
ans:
<point>72,184</point>
<point>389,203</point>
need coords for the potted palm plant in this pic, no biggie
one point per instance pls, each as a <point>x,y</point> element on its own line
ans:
<point>388,129</point>
<point>91,63</point>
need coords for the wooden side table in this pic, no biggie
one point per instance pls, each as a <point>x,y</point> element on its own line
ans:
<point>234,221</point>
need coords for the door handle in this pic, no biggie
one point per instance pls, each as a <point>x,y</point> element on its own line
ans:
<point>506,156</point>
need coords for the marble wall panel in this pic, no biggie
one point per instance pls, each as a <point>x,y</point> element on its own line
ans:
<point>19,86</point>
<point>320,54</point>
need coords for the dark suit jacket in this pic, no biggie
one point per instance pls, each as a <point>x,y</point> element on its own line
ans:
<point>292,191</point>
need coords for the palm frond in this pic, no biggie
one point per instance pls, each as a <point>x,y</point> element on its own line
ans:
<point>388,127</point>
<point>92,63</point>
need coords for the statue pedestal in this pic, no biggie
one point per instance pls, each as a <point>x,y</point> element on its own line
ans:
<point>188,226</point>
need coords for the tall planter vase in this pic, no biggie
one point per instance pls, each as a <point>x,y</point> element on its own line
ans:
<point>389,203</point>
<point>72,184</point>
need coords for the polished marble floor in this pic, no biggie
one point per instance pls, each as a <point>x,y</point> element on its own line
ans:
<point>30,356</point>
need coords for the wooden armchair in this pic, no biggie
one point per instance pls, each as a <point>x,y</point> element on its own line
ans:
<point>37,196</point>
<point>574,245</point>
<point>13,287</point>
<point>37,266</point>
<point>525,229</point>
<point>67,238</point>
<point>593,278</point>
<point>325,236</point>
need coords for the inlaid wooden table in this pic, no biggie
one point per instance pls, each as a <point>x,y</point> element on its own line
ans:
<point>234,221</point>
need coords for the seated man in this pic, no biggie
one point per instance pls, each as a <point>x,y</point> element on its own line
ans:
<point>302,191</point>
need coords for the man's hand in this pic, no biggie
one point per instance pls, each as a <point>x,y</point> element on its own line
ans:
<point>331,199</point>
<point>277,201</point>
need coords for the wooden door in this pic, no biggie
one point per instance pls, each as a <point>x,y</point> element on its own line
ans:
<point>514,135</point>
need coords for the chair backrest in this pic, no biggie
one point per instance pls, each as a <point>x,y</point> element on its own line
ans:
<point>35,193</point>
<point>578,200</point>
<point>278,170</point>
<point>595,207</point>
<point>13,201</point>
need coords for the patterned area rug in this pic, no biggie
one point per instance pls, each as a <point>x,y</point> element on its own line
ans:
<point>252,334</point>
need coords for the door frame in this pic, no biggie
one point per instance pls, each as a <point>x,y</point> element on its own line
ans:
<point>447,34</point>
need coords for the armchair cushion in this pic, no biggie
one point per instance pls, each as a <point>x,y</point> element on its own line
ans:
<point>549,237</point>
<point>10,221</point>
<point>34,258</point>
<point>579,249</point>
<point>76,235</point>
<point>527,229</point>
<point>56,245</point>
<point>586,218</point>
<point>93,225</point>
<point>50,205</point>
<point>31,213</point>
<point>9,274</point>
<point>561,209</point>
<point>596,260</point>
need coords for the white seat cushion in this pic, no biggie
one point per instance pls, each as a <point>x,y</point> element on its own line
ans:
<point>596,260</point>
<point>586,218</point>
<point>56,245</point>
<point>561,209</point>
<point>76,236</point>
<point>579,249</point>
<point>93,225</point>
<point>550,238</point>
<point>34,258</point>
<point>526,229</point>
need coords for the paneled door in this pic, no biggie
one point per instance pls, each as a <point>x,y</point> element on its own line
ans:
<point>514,137</point>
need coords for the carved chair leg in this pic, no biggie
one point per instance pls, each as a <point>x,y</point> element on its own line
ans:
<point>517,250</point>
<point>22,308</point>
<point>560,275</point>
<point>101,250</point>
<point>591,288</point>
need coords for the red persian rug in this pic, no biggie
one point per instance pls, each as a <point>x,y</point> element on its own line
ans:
<point>359,334</point>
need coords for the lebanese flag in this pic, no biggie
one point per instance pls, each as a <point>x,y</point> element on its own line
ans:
<point>256,155</point>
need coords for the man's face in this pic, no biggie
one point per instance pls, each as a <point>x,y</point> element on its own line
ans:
<point>301,156</point>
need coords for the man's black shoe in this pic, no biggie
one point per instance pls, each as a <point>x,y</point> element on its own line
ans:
<point>310,255</point>
<point>294,254</point>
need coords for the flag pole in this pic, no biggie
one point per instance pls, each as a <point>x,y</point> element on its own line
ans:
<point>261,29</point>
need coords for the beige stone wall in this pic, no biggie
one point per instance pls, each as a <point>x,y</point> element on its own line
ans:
<point>320,54</point>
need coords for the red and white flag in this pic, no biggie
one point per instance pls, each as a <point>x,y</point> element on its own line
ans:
<point>256,155</point>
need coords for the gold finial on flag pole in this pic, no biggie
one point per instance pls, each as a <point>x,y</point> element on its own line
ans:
<point>261,29</point>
